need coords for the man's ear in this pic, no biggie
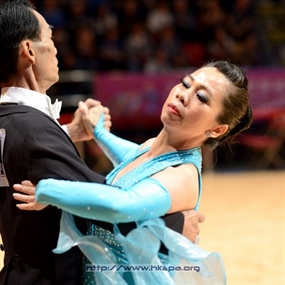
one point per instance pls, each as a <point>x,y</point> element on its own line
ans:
<point>27,51</point>
<point>218,131</point>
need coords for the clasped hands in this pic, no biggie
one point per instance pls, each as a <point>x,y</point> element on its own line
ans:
<point>86,118</point>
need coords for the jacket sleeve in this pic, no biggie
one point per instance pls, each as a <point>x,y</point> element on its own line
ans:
<point>48,152</point>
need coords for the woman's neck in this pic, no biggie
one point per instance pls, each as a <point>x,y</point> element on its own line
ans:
<point>164,144</point>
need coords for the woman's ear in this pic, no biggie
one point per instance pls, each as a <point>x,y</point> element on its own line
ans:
<point>219,131</point>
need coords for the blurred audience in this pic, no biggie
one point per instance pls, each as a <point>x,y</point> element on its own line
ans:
<point>154,35</point>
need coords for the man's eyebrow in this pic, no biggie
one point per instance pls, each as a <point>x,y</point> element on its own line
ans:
<point>201,86</point>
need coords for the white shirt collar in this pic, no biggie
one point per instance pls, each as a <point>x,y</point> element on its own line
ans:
<point>33,99</point>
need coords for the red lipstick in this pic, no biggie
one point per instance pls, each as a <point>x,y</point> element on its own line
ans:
<point>173,109</point>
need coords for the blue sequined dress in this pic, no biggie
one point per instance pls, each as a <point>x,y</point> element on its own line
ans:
<point>135,258</point>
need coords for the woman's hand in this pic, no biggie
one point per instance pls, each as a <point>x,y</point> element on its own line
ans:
<point>28,196</point>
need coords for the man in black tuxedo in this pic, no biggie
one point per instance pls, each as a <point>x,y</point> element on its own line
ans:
<point>34,146</point>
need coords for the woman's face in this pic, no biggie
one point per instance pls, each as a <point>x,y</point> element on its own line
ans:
<point>193,105</point>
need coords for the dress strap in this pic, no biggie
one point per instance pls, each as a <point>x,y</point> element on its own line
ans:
<point>155,165</point>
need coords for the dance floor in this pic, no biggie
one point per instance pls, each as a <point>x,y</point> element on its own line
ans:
<point>245,223</point>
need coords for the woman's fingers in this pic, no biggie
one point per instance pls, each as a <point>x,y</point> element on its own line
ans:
<point>107,118</point>
<point>28,202</point>
<point>25,187</point>
<point>26,196</point>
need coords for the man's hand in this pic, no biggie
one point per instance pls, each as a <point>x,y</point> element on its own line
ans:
<point>191,224</point>
<point>107,116</point>
<point>91,116</point>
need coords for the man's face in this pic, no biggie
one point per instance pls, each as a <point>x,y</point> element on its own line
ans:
<point>45,67</point>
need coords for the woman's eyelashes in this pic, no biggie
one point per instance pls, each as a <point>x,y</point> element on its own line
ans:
<point>185,83</point>
<point>201,97</point>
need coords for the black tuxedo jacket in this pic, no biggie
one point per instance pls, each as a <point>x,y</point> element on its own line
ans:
<point>35,148</point>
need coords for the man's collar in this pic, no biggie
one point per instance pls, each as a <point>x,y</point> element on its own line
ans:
<point>33,99</point>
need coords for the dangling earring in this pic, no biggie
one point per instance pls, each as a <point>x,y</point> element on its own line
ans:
<point>208,133</point>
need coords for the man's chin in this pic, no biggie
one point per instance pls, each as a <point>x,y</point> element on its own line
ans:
<point>52,82</point>
<point>56,79</point>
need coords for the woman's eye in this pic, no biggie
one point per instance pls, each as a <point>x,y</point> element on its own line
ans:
<point>185,83</point>
<point>202,98</point>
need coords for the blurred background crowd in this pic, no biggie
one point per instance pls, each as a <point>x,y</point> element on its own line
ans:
<point>162,35</point>
<point>148,44</point>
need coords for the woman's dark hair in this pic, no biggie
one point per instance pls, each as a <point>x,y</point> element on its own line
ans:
<point>17,23</point>
<point>236,112</point>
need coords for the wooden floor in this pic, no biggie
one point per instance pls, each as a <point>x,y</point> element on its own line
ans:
<point>245,223</point>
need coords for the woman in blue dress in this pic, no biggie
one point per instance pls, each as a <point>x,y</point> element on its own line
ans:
<point>158,177</point>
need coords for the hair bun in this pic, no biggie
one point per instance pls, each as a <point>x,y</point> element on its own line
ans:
<point>244,122</point>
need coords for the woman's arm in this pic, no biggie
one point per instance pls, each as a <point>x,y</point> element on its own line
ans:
<point>147,199</point>
<point>182,183</point>
<point>92,114</point>
<point>115,148</point>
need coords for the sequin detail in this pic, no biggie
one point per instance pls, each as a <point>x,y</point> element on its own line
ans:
<point>155,165</point>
